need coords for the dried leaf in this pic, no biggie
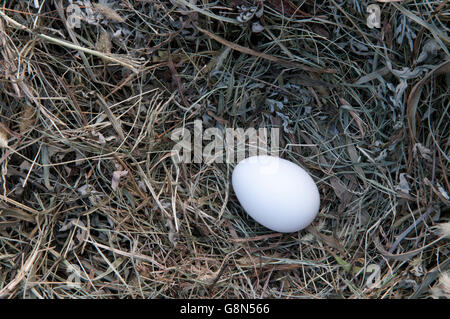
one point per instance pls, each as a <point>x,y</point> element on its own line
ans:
<point>81,232</point>
<point>339,188</point>
<point>438,34</point>
<point>443,197</point>
<point>3,138</point>
<point>382,156</point>
<point>259,13</point>
<point>257,27</point>
<point>27,116</point>
<point>425,152</point>
<point>79,159</point>
<point>359,48</point>
<point>25,166</point>
<point>101,139</point>
<point>399,90</point>
<point>74,279</point>
<point>104,42</point>
<point>45,161</point>
<point>407,73</point>
<point>429,51</point>
<point>85,189</point>
<point>373,75</point>
<point>204,273</point>
<point>443,229</point>
<point>403,185</point>
<point>108,12</point>
<point>329,240</point>
<point>116,178</point>
<point>217,63</point>
<point>71,223</point>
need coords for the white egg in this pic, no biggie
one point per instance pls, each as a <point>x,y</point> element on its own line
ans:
<point>277,193</point>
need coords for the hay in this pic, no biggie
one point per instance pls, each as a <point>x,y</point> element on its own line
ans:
<point>93,206</point>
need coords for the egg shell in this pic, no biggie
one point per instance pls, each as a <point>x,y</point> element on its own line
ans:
<point>275,192</point>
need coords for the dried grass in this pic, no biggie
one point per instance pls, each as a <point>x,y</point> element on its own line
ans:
<point>92,206</point>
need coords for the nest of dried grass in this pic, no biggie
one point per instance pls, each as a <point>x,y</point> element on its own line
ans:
<point>93,206</point>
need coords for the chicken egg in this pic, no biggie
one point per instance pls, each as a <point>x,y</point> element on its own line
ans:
<point>275,192</point>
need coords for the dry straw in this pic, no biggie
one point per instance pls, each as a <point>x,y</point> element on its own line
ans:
<point>92,205</point>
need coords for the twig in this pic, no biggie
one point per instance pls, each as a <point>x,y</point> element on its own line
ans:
<point>126,254</point>
<point>24,207</point>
